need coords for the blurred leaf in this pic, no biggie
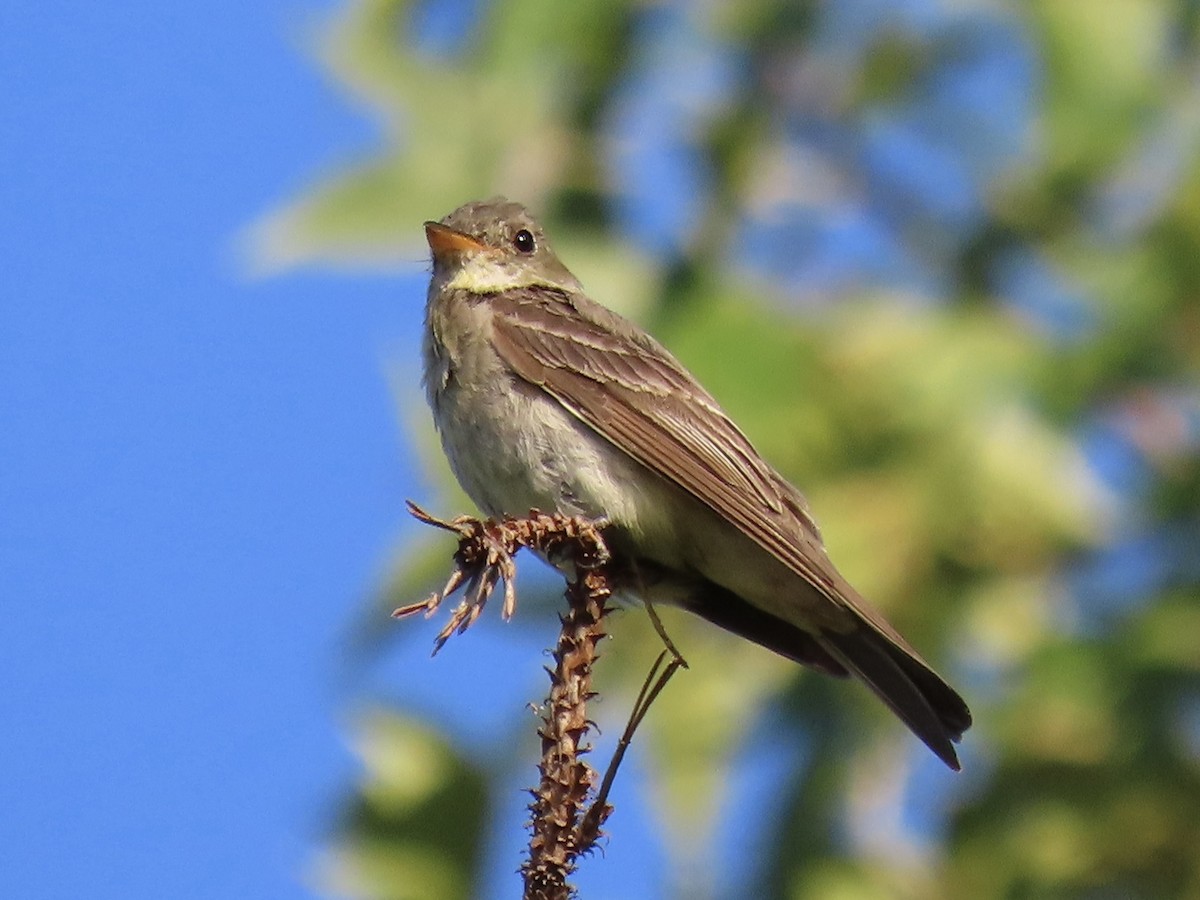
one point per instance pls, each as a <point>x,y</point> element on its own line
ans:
<point>455,126</point>
<point>416,829</point>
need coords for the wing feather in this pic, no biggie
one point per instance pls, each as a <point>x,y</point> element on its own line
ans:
<point>605,372</point>
<point>634,394</point>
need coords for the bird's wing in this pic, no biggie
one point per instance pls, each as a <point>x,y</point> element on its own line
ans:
<point>631,391</point>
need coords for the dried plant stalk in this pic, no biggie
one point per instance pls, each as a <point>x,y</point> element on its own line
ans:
<point>563,824</point>
<point>560,802</point>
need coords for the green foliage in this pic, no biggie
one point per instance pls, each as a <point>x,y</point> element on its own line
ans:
<point>415,828</point>
<point>937,439</point>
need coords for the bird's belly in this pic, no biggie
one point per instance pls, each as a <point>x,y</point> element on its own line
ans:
<point>514,448</point>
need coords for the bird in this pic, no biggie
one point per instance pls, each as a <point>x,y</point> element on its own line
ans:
<point>545,399</point>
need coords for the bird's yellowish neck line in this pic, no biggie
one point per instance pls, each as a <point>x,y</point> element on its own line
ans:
<point>479,274</point>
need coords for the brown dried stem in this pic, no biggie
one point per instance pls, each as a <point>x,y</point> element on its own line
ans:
<point>564,824</point>
<point>560,801</point>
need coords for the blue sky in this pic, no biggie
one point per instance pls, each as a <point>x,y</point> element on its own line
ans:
<point>201,474</point>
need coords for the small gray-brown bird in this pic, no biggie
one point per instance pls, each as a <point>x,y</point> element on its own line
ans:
<point>545,399</point>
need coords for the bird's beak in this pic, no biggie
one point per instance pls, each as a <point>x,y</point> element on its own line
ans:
<point>446,241</point>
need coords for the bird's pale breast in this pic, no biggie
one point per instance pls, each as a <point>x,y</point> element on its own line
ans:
<point>512,446</point>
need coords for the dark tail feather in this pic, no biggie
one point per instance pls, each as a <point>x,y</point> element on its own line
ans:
<point>727,610</point>
<point>931,709</point>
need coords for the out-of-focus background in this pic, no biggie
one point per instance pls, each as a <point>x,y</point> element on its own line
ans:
<point>941,260</point>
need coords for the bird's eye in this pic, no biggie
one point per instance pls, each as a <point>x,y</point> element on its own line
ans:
<point>523,240</point>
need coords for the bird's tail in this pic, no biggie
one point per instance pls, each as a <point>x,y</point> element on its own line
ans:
<point>872,651</point>
<point>931,709</point>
